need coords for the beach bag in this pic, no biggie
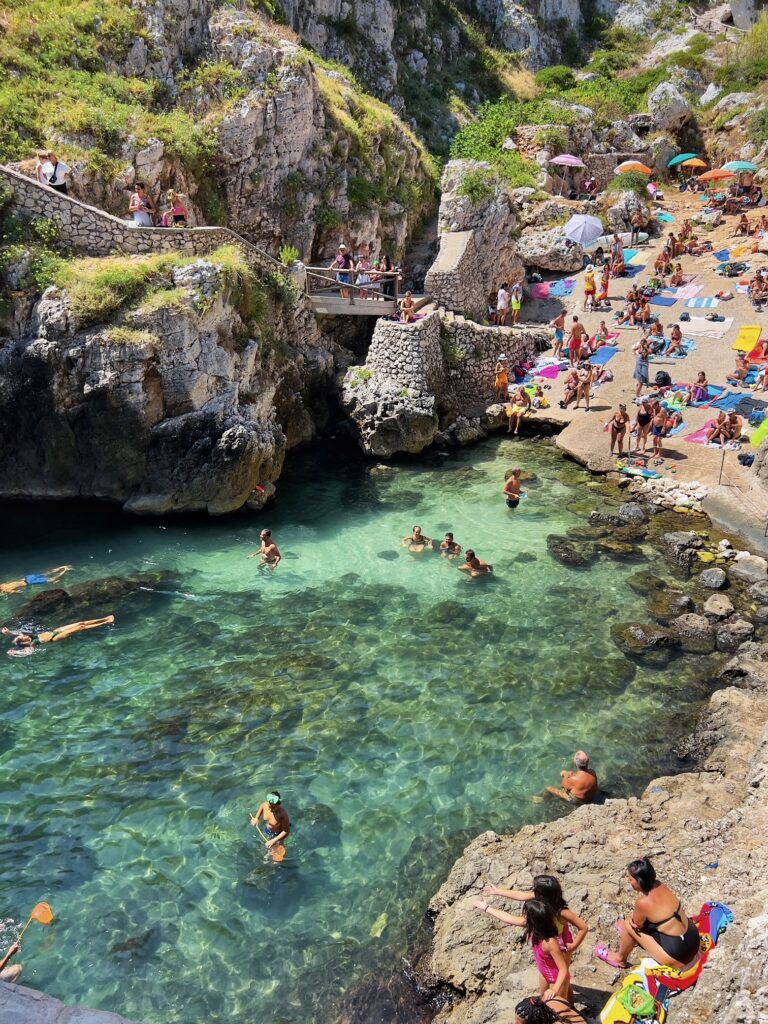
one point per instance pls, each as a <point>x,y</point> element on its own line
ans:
<point>756,417</point>
<point>640,1003</point>
<point>746,458</point>
<point>662,379</point>
<point>542,343</point>
<point>685,317</point>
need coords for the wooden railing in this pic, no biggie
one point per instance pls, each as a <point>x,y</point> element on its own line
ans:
<point>383,288</point>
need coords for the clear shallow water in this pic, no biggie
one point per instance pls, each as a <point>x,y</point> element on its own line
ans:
<point>399,708</point>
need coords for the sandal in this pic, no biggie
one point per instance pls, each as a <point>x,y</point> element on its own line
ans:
<point>603,953</point>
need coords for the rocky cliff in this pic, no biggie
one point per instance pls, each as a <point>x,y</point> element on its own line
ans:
<point>162,382</point>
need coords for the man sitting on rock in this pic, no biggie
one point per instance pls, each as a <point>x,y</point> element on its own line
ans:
<point>579,787</point>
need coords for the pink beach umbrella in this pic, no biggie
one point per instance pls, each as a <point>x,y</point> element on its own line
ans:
<point>566,160</point>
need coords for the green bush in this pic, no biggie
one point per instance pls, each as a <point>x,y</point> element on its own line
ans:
<point>751,64</point>
<point>476,185</point>
<point>757,127</point>
<point>632,181</point>
<point>364,194</point>
<point>553,139</point>
<point>556,78</point>
<point>289,254</point>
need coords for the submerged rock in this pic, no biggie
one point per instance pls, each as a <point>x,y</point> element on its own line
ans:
<point>639,638</point>
<point>99,595</point>
<point>665,604</point>
<point>696,633</point>
<point>618,549</point>
<point>732,633</point>
<point>570,552</point>
<point>645,583</point>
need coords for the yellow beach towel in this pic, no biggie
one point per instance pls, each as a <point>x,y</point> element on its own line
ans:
<point>747,338</point>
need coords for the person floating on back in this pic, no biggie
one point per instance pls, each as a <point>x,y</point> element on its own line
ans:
<point>577,787</point>
<point>25,643</point>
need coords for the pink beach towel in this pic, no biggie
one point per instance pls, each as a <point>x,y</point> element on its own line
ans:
<point>550,372</point>
<point>540,290</point>
<point>688,291</point>
<point>699,436</point>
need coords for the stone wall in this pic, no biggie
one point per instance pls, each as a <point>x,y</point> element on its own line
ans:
<point>97,233</point>
<point>19,1005</point>
<point>455,280</point>
<point>603,165</point>
<point>423,378</point>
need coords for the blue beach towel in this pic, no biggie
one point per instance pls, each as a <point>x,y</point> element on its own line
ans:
<point>664,217</point>
<point>630,254</point>
<point>562,288</point>
<point>713,390</point>
<point>630,271</point>
<point>687,346</point>
<point>601,357</point>
<point>751,377</point>
<point>728,402</point>
<point>702,303</point>
<point>662,300</point>
<point>723,256</point>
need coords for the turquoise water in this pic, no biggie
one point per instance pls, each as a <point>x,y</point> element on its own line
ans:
<point>399,707</point>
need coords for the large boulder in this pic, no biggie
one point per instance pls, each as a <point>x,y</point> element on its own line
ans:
<point>682,545</point>
<point>734,100</point>
<point>548,249</point>
<point>643,638</point>
<point>489,211</point>
<point>622,211</point>
<point>669,108</point>
<point>733,633</point>
<point>714,579</point>
<point>696,633</point>
<point>748,568</point>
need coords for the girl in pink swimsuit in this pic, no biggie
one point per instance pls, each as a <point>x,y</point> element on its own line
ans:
<point>548,948</point>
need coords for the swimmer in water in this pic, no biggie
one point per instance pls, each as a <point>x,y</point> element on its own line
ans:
<point>416,542</point>
<point>26,642</point>
<point>449,548</point>
<point>277,824</point>
<point>37,579</point>
<point>511,489</point>
<point>269,551</point>
<point>474,565</point>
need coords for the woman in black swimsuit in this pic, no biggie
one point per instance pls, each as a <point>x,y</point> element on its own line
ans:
<point>619,428</point>
<point>658,923</point>
<point>643,425</point>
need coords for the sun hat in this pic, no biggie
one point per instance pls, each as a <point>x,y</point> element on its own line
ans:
<point>590,268</point>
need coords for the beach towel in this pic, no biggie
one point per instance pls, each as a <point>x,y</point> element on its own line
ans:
<point>756,355</point>
<point>751,377</point>
<point>629,254</point>
<point>662,300</point>
<point>703,303</point>
<point>709,328</point>
<point>728,401</point>
<point>749,405</point>
<point>723,256</point>
<point>713,390</point>
<point>610,337</point>
<point>601,357</point>
<point>688,291</point>
<point>687,346</point>
<point>559,289</point>
<point>747,338</point>
<point>742,289</point>
<point>540,290</point>
<point>630,269</point>
<point>664,217</point>
<point>638,260</point>
<point>699,436</point>
<point>550,372</point>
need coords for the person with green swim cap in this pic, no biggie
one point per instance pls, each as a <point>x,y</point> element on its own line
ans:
<point>277,824</point>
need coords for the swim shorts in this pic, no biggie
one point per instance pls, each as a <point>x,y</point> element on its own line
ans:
<point>515,303</point>
<point>513,502</point>
<point>559,335</point>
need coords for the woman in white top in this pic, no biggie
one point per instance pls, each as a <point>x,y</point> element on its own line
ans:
<point>141,207</point>
<point>363,275</point>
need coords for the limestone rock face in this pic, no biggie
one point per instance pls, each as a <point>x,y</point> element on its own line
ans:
<point>668,107</point>
<point>548,249</point>
<point>621,213</point>
<point>491,217</point>
<point>175,409</point>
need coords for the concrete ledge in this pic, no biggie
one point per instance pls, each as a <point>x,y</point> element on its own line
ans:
<point>20,1005</point>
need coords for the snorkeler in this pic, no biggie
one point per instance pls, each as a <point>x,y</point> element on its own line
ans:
<point>36,579</point>
<point>269,551</point>
<point>416,541</point>
<point>26,642</point>
<point>277,824</point>
<point>449,548</point>
<point>511,489</point>
<point>475,566</point>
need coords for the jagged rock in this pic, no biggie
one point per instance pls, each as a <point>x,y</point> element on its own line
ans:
<point>759,592</point>
<point>687,80</point>
<point>639,638</point>
<point>732,633</point>
<point>716,579</point>
<point>617,548</point>
<point>682,546</point>
<point>718,606</point>
<point>621,137</point>
<point>668,107</point>
<point>734,100</point>
<point>99,597</point>
<point>631,512</point>
<point>621,213</point>
<point>548,249</point>
<point>751,569</point>
<point>665,605</point>
<point>696,633</point>
<point>710,94</point>
<point>570,552</point>
<point>749,670</point>
<point>463,432</point>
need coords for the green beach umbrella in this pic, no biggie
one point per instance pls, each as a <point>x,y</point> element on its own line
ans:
<point>739,165</point>
<point>680,158</point>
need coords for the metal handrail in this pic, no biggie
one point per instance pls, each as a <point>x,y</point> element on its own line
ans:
<point>323,280</point>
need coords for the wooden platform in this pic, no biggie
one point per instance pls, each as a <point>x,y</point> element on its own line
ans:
<point>335,305</point>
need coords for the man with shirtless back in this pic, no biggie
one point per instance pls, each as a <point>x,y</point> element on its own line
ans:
<point>579,787</point>
<point>269,551</point>
<point>511,489</point>
<point>575,336</point>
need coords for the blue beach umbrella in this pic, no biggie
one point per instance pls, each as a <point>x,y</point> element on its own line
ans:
<point>739,165</point>
<point>680,158</point>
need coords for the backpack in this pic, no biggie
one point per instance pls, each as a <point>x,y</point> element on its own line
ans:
<point>685,317</point>
<point>756,417</point>
<point>662,379</point>
<point>746,458</point>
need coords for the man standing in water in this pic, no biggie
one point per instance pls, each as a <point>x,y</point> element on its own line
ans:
<point>269,551</point>
<point>449,548</point>
<point>277,825</point>
<point>579,787</point>
<point>511,489</point>
<point>475,566</point>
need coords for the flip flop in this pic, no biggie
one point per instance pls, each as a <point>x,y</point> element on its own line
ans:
<point>603,953</point>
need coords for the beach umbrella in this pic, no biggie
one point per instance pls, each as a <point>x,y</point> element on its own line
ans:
<point>739,165</point>
<point>632,165</point>
<point>583,229</point>
<point>681,158</point>
<point>566,160</point>
<point>719,174</point>
<point>695,162</point>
